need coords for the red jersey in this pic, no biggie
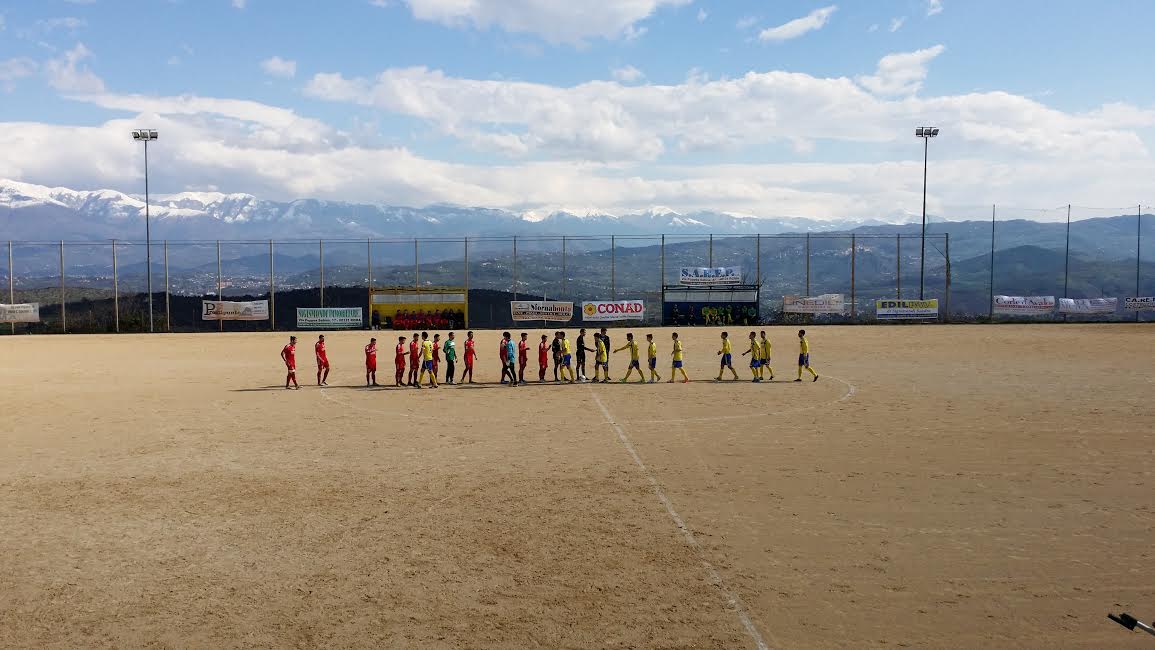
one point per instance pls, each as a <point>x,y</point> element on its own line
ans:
<point>414,350</point>
<point>522,351</point>
<point>289,352</point>
<point>371,355</point>
<point>400,354</point>
<point>470,353</point>
<point>543,354</point>
<point>320,349</point>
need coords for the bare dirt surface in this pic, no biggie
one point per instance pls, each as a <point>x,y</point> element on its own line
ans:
<point>960,486</point>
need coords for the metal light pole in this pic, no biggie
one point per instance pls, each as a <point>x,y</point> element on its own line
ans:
<point>145,135</point>
<point>926,133</point>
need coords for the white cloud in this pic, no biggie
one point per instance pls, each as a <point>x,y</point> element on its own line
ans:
<point>933,7</point>
<point>173,60</point>
<point>556,21</point>
<point>627,74</point>
<point>702,15</point>
<point>746,22</point>
<point>814,20</point>
<point>896,23</point>
<point>70,24</point>
<point>13,69</point>
<point>3,24</point>
<point>278,67</point>
<point>68,73</point>
<point>239,4</point>
<point>873,28</point>
<point>901,74</point>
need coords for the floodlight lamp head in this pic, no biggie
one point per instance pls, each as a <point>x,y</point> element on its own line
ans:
<point>926,131</point>
<point>144,134</point>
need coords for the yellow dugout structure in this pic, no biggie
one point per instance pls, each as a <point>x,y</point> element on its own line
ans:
<point>386,303</point>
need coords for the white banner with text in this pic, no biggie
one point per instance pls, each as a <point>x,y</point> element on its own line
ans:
<point>548,310</point>
<point>325,318</point>
<point>830,303</point>
<point>23,313</point>
<point>1088,305</point>
<point>1024,305</point>
<point>616,310</point>
<point>229,310</point>
<point>1143,303</point>
<point>906,309</point>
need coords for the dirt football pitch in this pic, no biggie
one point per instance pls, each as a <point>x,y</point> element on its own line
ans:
<point>938,487</point>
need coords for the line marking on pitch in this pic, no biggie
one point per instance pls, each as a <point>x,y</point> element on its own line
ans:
<point>732,598</point>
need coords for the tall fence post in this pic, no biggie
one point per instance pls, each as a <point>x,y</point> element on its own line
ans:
<point>662,284</point>
<point>807,264</point>
<point>115,291</point>
<point>467,282</point>
<point>991,304</point>
<point>369,277</point>
<point>220,285</point>
<point>63,306</point>
<point>758,258</point>
<point>1067,255</point>
<point>11,282</point>
<point>272,290</point>
<point>515,267</point>
<point>321,262</point>
<point>416,266</point>
<point>947,252</point>
<point>711,265</point>
<point>167,293</point>
<point>853,294</point>
<point>564,274</point>
<point>898,266</point>
<point>613,268</point>
<point>1138,253</point>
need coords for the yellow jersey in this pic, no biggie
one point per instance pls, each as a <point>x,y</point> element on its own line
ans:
<point>565,349</point>
<point>633,346</point>
<point>726,347</point>
<point>427,350</point>
<point>765,348</point>
<point>803,345</point>
<point>652,351</point>
<point>601,346</point>
<point>677,350</point>
<point>755,350</point>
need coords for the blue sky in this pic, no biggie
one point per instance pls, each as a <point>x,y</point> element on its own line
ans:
<point>762,107</point>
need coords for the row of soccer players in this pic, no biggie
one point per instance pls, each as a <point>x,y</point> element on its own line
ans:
<point>425,358</point>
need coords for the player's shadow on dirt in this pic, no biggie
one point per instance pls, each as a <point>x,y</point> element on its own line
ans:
<point>258,390</point>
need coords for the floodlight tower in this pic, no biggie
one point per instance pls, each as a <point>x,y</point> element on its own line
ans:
<point>146,135</point>
<point>926,133</point>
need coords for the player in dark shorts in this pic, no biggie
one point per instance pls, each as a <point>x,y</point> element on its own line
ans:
<point>580,352</point>
<point>555,347</point>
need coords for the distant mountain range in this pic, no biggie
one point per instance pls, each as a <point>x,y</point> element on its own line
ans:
<point>36,212</point>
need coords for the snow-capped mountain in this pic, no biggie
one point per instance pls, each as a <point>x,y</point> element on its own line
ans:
<point>35,212</point>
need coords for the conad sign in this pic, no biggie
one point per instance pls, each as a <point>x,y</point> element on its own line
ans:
<point>617,310</point>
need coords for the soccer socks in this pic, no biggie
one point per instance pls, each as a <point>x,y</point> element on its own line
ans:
<point>812,371</point>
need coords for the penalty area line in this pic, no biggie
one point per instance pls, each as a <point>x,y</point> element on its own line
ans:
<point>732,598</point>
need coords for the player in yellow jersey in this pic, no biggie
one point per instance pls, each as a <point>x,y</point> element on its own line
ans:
<point>566,358</point>
<point>804,356</point>
<point>635,360</point>
<point>426,362</point>
<point>652,356</point>
<point>755,353</point>
<point>727,358</point>
<point>766,366</point>
<point>600,357</point>
<point>677,354</point>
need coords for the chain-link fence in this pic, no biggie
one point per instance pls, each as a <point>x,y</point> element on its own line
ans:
<point>103,286</point>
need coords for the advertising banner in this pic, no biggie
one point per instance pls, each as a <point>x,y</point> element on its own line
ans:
<point>329,318</point>
<point>548,310</point>
<point>1088,305</point>
<point>830,303</point>
<point>1139,304</point>
<point>229,310</point>
<point>617,310</point>
<point>25,313</point>
<point>906,309</point>
<point>707,277</point>
<point>1025,305</point>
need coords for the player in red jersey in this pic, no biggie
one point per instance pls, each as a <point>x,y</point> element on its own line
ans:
<point>399,360</point>
<point>322,362</point>
<point>522,357</point>
<point>289,356</point>
<point>542,358</point>
<point>470,357</point>
<point>414,361</point>
<point>436,353</point>
<point>371,363</point>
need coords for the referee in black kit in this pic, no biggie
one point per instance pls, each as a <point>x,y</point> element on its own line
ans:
<point>581,354</point>
<point>606,340</point>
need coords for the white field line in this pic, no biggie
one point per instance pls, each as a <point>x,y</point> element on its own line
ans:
<point>732,599</point>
